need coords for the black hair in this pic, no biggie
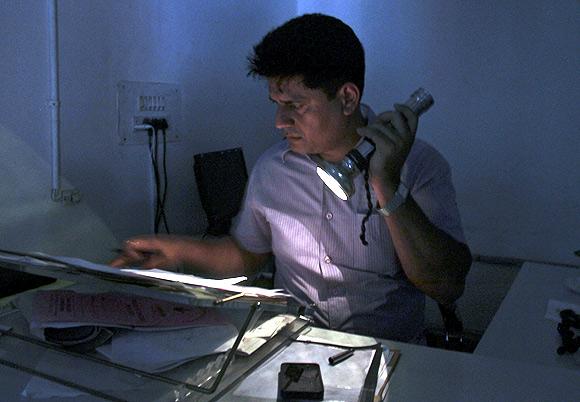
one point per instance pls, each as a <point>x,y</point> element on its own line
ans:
<point>321,49</point>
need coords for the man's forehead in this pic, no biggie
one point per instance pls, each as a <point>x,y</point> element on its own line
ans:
<point>290,86</point>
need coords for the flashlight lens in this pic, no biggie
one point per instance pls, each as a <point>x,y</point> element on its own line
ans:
<point>332,184</point>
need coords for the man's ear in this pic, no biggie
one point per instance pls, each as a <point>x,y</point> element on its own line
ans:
<point>349,95</point>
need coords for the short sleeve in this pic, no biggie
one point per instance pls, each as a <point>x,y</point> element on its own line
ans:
<point>250,227</point>
<point>429,177</point>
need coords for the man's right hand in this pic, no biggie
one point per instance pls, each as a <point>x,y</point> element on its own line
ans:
<point>150,252</point>
<point>220,257</point>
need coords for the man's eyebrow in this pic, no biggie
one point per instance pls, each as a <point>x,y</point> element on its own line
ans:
<point>284,102</point>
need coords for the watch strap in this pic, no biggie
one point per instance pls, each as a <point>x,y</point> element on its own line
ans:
<point>398,199</point>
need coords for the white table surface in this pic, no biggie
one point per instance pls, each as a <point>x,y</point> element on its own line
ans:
<point>519,331</point>
<point>422,374</point>
<point>429,374</point>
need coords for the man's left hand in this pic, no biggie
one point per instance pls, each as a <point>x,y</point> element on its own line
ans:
<point>393,134</point>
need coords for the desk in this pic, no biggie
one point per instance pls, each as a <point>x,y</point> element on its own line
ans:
<point>428,374</point>
<point>519,331</point>
<point>422,374</point>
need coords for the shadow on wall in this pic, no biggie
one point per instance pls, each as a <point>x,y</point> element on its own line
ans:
<point>31,221</point>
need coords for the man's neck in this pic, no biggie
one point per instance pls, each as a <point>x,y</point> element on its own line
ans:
<point>351,137</point>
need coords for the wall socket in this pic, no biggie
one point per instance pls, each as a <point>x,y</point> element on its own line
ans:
<point>138,101</point>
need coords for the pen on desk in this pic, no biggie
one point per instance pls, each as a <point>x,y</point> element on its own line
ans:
<point>229,298</point>
<point>342,356</point>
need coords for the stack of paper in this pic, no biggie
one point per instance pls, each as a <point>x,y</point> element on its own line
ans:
<point>159,276</point>
<point>163,350</point>
<point>170,333</point>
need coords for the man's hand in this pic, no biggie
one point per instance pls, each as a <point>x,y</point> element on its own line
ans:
<point>433,261</point>
<point>220,257</point>
<point>393,134</point>
<point>150,252</point>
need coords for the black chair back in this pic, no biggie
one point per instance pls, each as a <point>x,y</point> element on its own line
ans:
<point>221,178</point>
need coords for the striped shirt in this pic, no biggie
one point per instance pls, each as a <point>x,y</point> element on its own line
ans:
<point>314,237</point>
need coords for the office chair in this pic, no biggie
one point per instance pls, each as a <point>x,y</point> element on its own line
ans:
<point>453,337</point>
<point>221,178</point>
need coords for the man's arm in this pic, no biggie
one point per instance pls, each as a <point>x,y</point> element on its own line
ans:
<point>221,257</point>
<point>433,261</point>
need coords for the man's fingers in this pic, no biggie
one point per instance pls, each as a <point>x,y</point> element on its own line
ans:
<point>402,118</point>
<point>400,123</point>
<point>154,261</point>
<point>142,245</point>
<point>119,262</point>
<point>380,133</point>
<point>411,118</point>
<point>136,251</point>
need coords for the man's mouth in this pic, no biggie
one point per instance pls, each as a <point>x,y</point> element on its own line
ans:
<point>293,136</point>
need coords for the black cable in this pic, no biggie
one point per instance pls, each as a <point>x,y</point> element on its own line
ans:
<point>163,216</point>
<point>153,154</point>
<point>160,193</point>
<point>363,228</point>
<point>364,167</point>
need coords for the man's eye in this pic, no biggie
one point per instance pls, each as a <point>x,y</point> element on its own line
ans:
<point>293,106</point>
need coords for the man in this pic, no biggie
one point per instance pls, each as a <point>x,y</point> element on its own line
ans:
<point>314,65</point>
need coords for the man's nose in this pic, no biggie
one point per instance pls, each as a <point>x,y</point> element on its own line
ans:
<point>283,118</point>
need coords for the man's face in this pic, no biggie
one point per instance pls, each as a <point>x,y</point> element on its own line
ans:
<point>311,122</point>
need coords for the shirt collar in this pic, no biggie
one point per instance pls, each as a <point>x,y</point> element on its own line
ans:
<point>367,113</point>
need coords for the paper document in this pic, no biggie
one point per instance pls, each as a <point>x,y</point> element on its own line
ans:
<point>66,308</point>
<point>258,336</point>
<point>80,265</point>
<point>228,284</point>
<point>163,350</point>
<point>154,335</point>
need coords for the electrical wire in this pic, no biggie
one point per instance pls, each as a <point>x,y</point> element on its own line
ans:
<point>162,215</point>
<point>363,228</point>
<point>161,184</point>
<point>153,154</point>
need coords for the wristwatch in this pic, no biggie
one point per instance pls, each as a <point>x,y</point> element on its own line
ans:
<point>398,199</point>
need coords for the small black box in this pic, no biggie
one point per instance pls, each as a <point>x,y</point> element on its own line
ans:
<point>300,381</point>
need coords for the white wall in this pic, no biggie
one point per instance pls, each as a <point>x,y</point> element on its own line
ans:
<point>504,75</point>
<point>198,44</point>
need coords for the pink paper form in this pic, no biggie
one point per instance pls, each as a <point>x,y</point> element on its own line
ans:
<point>118,309</point>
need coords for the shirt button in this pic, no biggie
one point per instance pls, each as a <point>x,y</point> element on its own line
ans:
<point>327,259</point>
<point>329,215</point>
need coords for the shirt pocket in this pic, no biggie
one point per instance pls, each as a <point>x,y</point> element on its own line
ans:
<point>379,255</point>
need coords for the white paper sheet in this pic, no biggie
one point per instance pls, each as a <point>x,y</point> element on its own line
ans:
<point>163,350</point>
<point>67,308</point>
<point>228,284</point>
